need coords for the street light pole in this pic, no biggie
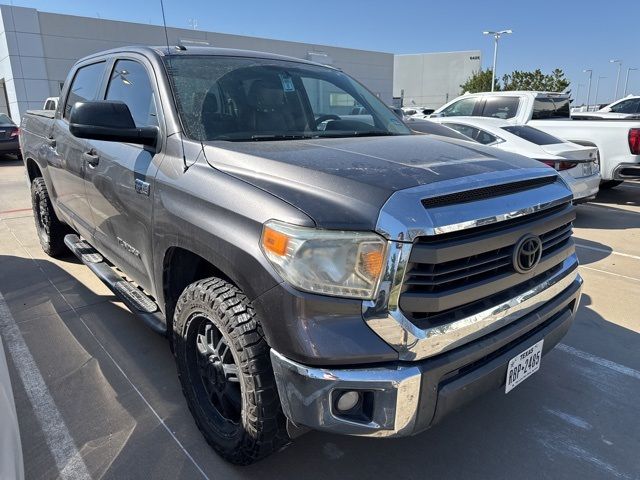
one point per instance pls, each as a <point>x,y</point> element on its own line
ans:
<point>496,36</point>
<point>580,85</point>
<point>626,80</point>
<point>597,87</point>
<point>619,62</point>
<point>589,87</point>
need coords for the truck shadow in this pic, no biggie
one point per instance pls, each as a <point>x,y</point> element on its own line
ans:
<point>473,443</point>
<point>7,160</point>
<point>625,194</point>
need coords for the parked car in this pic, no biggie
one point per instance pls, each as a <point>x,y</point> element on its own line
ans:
<point>11,462</point>
<point>51,103</point>
<point>432,128</point>
<point>357,278</point>
<point>618,142</point>
<point>628,107</point>
<point>577,164</point>
<point>9,143</point>
<point>419,112</point>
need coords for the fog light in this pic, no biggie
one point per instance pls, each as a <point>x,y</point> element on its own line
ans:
<point>347,401</point>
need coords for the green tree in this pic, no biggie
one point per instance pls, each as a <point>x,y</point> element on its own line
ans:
<point>536,80</point>
<point>479,81</point>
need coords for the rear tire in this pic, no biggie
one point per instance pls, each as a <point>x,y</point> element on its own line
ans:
<point>608,184</point>
<point>51,231</point>
<point>225,370</point>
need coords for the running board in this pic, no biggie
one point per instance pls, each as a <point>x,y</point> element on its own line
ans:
<point>135,300</point>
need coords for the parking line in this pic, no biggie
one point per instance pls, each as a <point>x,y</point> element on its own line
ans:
<point>56,434</point>
<point>603,362</point>
<point>604,250</point>
<point>610,273</point>
<point>116,364</point>
<point>612,209</point>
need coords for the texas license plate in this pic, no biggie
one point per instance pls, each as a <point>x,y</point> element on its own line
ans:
<point>523,365</point>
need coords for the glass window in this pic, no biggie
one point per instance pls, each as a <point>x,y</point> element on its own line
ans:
<point>460,108</point>
<point>548,107</point>
<point>501,107</point>
<point>533,135</point>
<point>84,86</point>
<point>130,84</point>
<point>5,120</point>
<point>627,106</point>
<point>474,133</point>
<point>242,99</point>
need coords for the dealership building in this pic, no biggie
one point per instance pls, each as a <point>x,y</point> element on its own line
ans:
<point>37,50</point>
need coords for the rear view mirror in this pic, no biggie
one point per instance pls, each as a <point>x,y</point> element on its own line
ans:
<point>110,121</point>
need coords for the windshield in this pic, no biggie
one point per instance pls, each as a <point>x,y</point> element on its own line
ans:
<point>243,99</point>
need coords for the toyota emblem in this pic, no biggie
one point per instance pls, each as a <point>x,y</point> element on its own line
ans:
<point>527,253</point>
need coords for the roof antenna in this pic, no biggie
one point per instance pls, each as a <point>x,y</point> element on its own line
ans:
<point>166,37</point>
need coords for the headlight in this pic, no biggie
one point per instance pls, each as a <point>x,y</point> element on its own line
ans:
<point>338,263</point>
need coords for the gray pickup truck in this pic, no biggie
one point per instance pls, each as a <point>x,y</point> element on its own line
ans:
<point>313,269</point>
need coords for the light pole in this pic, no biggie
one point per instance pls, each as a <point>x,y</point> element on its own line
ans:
<point>626,80</point>
<point>597,87</point>
<point>619,62</point>
<point>590,71</point>
<point>496,36</point>
<point>580,85</point>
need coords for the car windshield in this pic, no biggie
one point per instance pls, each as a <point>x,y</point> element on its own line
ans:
<point>244,99</point>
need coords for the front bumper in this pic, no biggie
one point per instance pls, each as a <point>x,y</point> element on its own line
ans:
<point>405,398</point>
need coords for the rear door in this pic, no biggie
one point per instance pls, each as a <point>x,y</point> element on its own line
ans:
<point>65,160</point>
<point>120,178</point>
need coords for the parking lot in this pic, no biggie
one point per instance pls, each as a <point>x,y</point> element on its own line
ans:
<point>97,392</point>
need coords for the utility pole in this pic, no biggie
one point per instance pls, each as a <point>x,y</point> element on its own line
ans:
<point>597,87</point>
<point>626,80</point>
<point>590,72</point>
<point>496,36</point>
<point>193,23</point>
<point>619,62</point>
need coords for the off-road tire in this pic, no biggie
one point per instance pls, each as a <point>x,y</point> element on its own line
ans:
<point>51,231</point>
<point>608,184</point>
<point>261,429</point>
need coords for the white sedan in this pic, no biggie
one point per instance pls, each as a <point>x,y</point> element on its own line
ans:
<point>578,165</point>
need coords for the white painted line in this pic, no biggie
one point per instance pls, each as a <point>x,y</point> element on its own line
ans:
<point>610,273</point>
<point>63,449</point>
<point>116,364</point>
<point>603,362</point>
<point>604,250</point>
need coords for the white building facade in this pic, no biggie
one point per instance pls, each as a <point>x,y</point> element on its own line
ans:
<point>432,79</point>
<point>37,50</point>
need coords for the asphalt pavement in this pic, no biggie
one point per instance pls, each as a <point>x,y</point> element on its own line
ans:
<point>97,393</point>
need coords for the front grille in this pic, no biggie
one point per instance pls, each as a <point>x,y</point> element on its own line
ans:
<point>487,192</point>
<point>471,271</point>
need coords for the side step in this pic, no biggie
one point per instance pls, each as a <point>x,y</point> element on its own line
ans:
<point>132,297</point>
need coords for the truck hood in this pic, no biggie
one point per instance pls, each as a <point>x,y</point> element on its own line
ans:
<point>342,183</point>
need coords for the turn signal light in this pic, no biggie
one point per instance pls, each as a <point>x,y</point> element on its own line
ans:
<point>275,242</point>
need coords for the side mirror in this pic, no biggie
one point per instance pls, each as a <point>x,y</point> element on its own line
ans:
<point>110,121</point>
<point>435,115</point>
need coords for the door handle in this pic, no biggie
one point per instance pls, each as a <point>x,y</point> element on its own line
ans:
<point>51,142</point>
<point>91,157</point>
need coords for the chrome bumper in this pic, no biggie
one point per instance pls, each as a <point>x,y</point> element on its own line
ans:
<point>407,398</point>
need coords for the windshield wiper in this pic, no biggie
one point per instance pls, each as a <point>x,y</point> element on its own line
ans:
<point>368,133</point>
<point>282,136</point>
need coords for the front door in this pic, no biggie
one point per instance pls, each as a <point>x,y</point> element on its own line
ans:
<point>65,160</point>
<point>120,177</point>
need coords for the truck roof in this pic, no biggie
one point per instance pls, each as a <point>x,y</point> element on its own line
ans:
<point>521,92</point>
<point>181,50</point>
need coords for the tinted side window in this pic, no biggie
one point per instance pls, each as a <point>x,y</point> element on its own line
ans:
<point>465,130</point>
<point>627,106</point>
<point>84,86</point>
<point>130,84</point>
<point>462,107</point>
<point>546,107</point>
<point>501,107</point>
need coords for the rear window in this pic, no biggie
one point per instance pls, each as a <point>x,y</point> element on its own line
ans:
<point>547,107</point>
<point>532,135</point>
<point>501,107</point>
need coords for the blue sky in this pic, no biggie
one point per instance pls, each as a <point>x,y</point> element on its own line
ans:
<point>572,35</point>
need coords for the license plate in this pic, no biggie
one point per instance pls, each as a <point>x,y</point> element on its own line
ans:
<point>586,169</point>
<point>523,365</point>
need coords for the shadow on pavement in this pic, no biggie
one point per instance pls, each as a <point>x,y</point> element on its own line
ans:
<point>620,195</point>
<point>526,434</point>
<point>606,218</point>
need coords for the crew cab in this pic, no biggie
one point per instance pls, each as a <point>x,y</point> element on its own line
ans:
<point>312,270</point>
<point>618,142</point>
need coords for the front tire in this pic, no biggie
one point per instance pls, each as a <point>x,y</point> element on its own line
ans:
<point>51,231</point>
<point>225,371</point>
